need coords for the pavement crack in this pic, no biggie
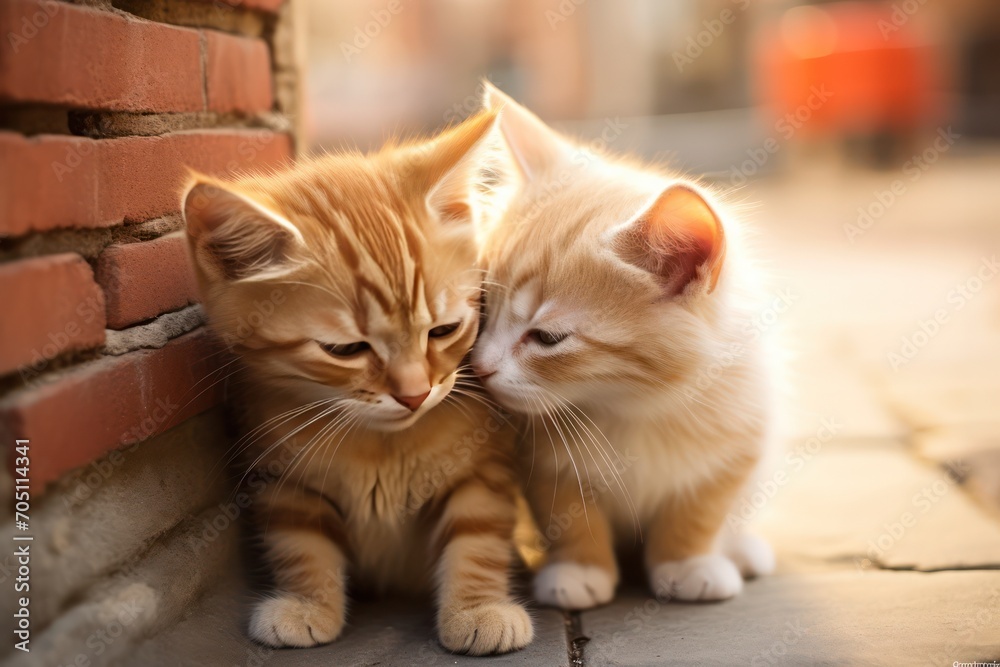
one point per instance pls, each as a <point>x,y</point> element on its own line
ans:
<point>575,639</point>
<point>863,562</point>
<point>985,567</point>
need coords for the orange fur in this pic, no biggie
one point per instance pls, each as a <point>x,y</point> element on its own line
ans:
<point>348,287</point>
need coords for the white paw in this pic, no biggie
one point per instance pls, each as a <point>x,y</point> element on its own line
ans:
<point>495,627</point>
<point>751,555</point>
<point>291,620</point>
<point>709,577</point>
<point>574,586</point>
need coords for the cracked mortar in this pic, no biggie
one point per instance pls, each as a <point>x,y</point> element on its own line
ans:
<point>155,334</point>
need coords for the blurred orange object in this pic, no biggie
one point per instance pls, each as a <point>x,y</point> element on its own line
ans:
<point>850,68</point>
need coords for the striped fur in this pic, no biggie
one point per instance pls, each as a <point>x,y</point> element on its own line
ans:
<point>648,419</point>
<point>296,270</point>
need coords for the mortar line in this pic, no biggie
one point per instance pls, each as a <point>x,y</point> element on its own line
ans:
<point>203,46</point>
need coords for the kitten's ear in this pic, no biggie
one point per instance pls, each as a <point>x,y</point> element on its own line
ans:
<point>455,168</point>
<point>235,238</point>
<point>535,147</point>
<point>679,239</point>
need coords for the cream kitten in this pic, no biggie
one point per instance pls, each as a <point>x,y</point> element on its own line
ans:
<point>617,304</point>
<point>348,287</point>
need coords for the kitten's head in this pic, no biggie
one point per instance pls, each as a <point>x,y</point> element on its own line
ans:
<point>601,277</point>
<point>350,280</point>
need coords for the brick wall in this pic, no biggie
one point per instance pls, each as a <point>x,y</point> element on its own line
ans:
<point>103,106</point>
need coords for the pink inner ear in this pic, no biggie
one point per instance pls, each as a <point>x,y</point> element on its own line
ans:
<point>681,233</point>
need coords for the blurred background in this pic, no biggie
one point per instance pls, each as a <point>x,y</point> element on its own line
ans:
<point>697,82</point>
<point>859,139</point>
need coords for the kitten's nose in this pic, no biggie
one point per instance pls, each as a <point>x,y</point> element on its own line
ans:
<point>412,402</point>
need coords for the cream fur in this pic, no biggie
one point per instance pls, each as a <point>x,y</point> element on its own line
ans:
<point>628,415</point>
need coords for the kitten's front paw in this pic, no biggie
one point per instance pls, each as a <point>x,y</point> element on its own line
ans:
<point>751,555</point>
<point>704,578</point>
<point>573,586</point>
<point>292,620</point>
<point>495,627</point>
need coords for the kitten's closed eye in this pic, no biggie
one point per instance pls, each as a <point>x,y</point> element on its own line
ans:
<point>444,330</point>
<point>353,349</point>
<point>547,338</point>
<point>344,349</point>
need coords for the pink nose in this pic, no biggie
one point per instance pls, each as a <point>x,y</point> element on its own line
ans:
<point>412,402</point>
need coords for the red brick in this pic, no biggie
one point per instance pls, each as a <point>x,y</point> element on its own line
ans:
<point>51,306</point>
<point>142,280</point>
<point>238,73</point>
<point>112,402</point>
<point>52,182</point>
<point>48,182</point>
<point>59,53</point>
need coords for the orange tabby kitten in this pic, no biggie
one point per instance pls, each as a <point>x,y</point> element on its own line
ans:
<point>348,288</point>
<point>615,294</point>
